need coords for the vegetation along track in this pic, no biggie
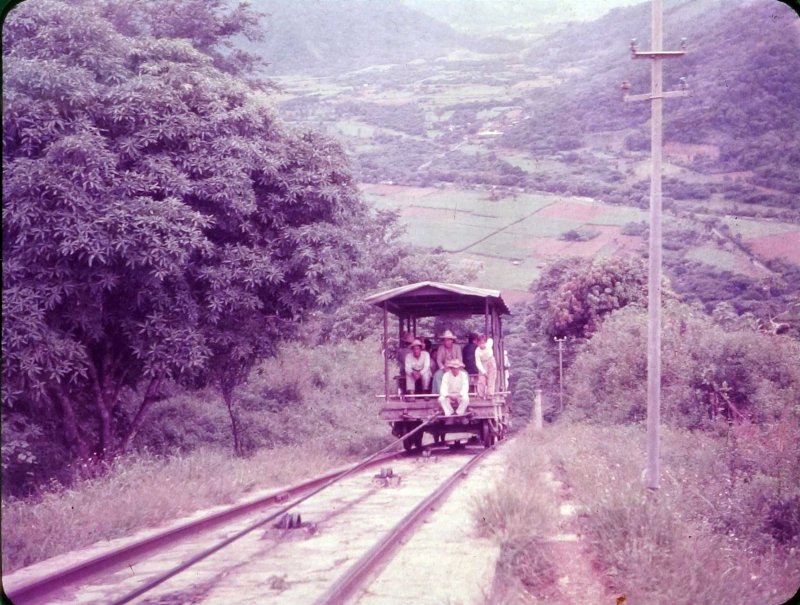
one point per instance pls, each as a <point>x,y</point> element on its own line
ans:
<point>275,564</point>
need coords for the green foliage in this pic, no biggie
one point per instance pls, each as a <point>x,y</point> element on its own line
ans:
<point>579,235</point>
<point>742,65</point>
<point>707,373</point>
<point>160,223</point>
<point>322,38</point>
<point>390,264</point>
<point>408,118</point>
<point>635,228</point>
<point>323,394</point>
<point>520,513</point>
<point>575,295</point>
<point>143,491</point>
<point>571,298</point>
<point>214,27</point>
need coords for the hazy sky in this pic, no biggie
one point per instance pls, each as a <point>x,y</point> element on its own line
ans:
<point>487,14</point>
<point>586,9</point>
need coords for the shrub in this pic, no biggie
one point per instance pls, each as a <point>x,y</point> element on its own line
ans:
<point>706,372</point>
<point>325,393</point>
<point>579,235</point>
<point>635,228</point>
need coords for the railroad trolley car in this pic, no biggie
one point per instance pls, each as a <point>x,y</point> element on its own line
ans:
<point>486,418</point>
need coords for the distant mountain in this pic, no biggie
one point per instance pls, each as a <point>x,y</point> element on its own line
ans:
<point>325,37</point>
<point>742,66</point>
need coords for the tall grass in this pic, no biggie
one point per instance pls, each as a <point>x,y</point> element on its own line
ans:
<point>142,491</point>
<point>520,512</point>
<point>695,541</point>
<point>304,411</point>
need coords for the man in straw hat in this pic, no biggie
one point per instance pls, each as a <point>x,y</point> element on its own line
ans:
<point>417,367</point>
<point>448,349</point>
<point>454,389</point>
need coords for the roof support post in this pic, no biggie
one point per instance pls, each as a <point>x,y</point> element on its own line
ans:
<point>500,355</point>
<point>385,353</point>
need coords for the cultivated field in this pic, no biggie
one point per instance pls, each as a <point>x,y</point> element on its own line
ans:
<point>438,125</point>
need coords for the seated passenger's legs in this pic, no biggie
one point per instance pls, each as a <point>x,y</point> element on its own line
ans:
<point>448,402</point>
<point>447,408</point>
<point>425,379</point>
<point>462,405</point>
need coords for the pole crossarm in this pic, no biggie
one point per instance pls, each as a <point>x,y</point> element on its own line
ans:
<point>657,54</point>
<point>664,95</point>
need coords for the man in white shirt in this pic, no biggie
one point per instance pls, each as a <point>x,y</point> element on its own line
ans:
<point>418,367</point>
<point>455,388</point>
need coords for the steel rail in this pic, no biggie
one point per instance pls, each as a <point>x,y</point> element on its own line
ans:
<point>367,567</point>
<point>36,590</point>
<point>148,586</point>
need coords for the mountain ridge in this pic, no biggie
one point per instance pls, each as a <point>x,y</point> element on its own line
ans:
<point>298,37</point>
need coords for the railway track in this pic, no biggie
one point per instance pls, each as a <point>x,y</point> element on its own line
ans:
<point>318,541</point>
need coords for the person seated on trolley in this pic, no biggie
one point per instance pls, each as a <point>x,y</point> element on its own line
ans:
<point>406,338</point>
<point>418,368</point>
<point>454,389</point>
<point>448,349</point>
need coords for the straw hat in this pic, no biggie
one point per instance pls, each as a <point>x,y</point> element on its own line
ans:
<point>417,343</point>
<point>454,363</point>
<point>448,334</point>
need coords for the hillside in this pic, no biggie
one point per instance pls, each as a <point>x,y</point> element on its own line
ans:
<point>742,65</point>
<point>306,36</point>
<point>508,161</point>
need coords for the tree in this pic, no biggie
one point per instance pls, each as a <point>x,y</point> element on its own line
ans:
<point>572,296</point>
<point>210,26</point>
<point>588,294</point>
<point>160,223</point>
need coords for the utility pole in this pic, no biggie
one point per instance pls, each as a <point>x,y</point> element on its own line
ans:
<point>560,342</point>
<point>656,97</point>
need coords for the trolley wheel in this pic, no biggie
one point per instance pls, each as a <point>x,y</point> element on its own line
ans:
<point>414,441</point>
<point>487,434</point>
<point>502,433</point>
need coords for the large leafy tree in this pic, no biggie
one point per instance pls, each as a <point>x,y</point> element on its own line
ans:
<point>571,299</point>
<point>159,222</point>
<point>573,295</point>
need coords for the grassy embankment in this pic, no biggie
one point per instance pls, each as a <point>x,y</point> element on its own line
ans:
<point>305,411</point>
<point>704,538</point>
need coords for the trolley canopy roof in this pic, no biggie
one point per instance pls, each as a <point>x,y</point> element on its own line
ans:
<point>428,298</point>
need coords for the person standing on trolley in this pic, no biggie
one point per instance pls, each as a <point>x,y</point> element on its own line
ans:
<point>487,367</point>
